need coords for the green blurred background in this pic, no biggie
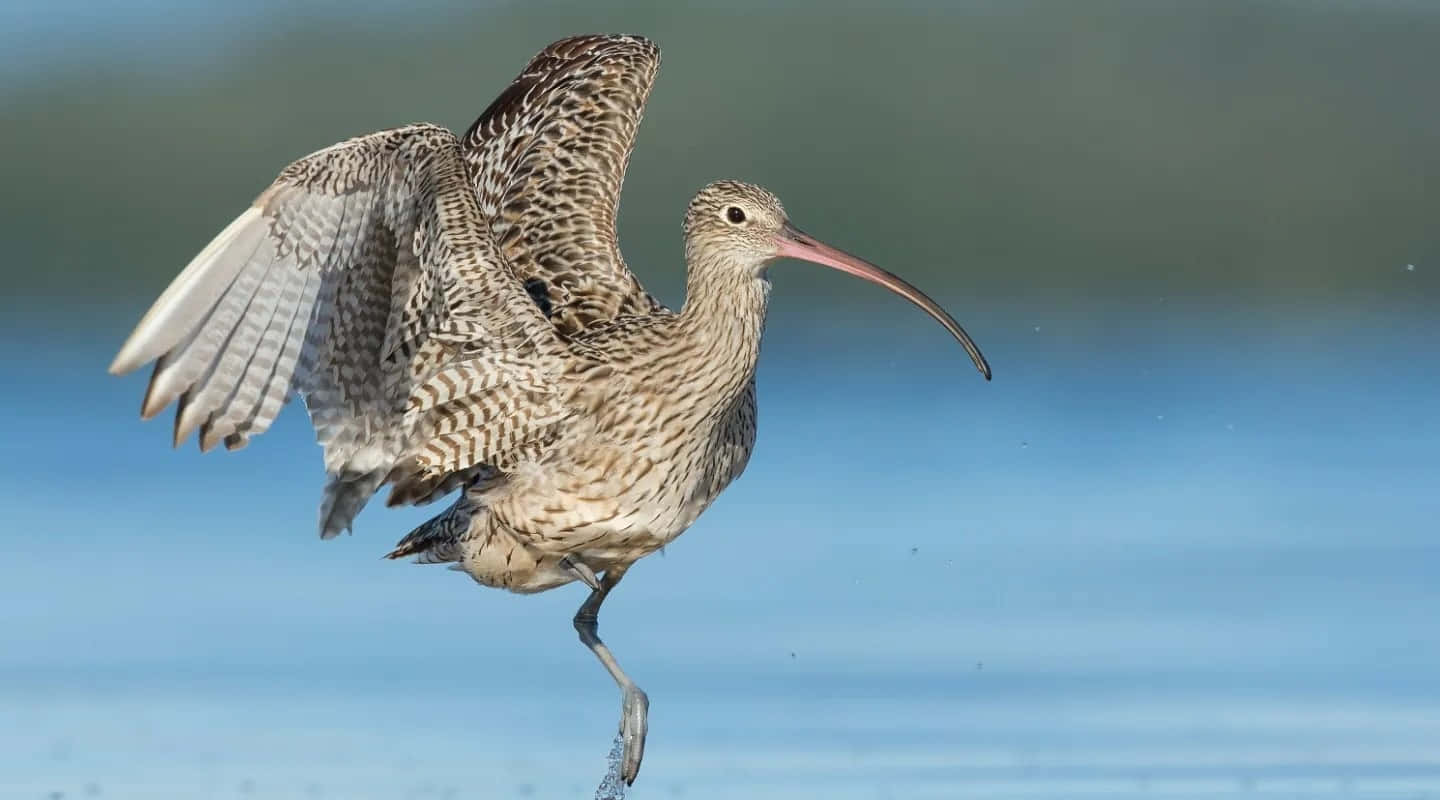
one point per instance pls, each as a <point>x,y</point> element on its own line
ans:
<point>1226,150</point>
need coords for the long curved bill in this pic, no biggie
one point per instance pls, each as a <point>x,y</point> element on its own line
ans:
<point>794,243</point>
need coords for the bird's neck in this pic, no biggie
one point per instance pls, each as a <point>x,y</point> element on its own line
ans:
<point>721,324</point>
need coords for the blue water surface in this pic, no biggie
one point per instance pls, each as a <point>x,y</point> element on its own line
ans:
<point>1173,550</point>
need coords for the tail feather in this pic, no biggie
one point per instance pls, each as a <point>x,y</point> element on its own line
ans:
<point>345,495</point>
<point>437,540</point>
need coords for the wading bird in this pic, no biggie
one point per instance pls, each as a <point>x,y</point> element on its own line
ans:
<point>456,315</point>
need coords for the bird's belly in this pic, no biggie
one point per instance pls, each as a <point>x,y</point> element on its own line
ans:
<point>621,508</point>
<point>495,555</point>
<point>632,536</point>
<point>618,533</point>
<point>610,501</point>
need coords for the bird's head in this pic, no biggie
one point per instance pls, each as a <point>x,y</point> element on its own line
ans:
<point>740,220</point>
<point>745,228</point>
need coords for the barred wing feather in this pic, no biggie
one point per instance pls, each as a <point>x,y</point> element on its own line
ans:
<point>547,160</point>
<point>361,273</point>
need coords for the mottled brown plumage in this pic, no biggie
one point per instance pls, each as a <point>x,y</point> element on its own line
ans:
<point>456,314</point>
<point>547,159</point>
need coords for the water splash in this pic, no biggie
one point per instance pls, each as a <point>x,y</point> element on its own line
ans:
<point>612,788</point>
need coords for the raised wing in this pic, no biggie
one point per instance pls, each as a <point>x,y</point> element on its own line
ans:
<point>547,159</point>
<point>364,279</point>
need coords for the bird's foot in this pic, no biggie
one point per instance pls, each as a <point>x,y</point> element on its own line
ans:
<point>634,724</point>
<point>580,572</point>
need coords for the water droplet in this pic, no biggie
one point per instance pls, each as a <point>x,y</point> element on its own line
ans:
<point>1160,416</point>
<point>1037,328</point>
<point>1024,445</point>
<point>1409,267</point>
<point>612,787</point>
<point>914,551</point>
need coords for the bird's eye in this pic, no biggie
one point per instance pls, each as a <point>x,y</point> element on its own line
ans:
<point>735,215</point>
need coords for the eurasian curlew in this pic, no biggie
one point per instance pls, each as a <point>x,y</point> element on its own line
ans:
<point>456,315</point>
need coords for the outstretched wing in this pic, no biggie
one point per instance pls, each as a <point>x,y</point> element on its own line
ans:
<point>547,159</point>
<point>356,280</point>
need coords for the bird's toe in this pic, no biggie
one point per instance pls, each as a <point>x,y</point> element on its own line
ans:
<point>634,725</point>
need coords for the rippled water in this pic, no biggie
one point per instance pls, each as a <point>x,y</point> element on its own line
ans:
<point>1183,553</point>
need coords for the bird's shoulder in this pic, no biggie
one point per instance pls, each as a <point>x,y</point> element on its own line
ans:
<point>610,339</point>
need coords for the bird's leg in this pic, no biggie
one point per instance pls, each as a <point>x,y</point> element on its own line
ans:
<point>580,572</point>
<point>634,705</point>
